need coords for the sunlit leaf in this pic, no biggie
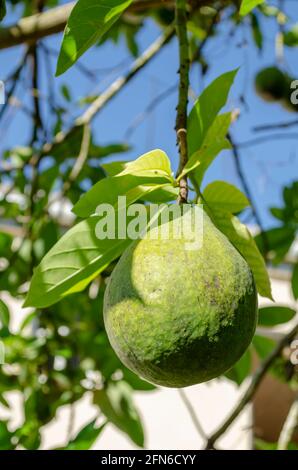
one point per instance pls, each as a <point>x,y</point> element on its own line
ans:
<point>88,22</point>
<point>139,177</point>
<point>248,5</point>
<point>225,196</point>
<point>72,263</point>
<point>206,108</point>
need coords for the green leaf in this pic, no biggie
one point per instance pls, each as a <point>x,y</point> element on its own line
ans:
<point>150,171</point>
<point>136,382</point>
<point>164,193</point>
<point>114,168</point>
<point>77,258</point>
<point>107,191</point>
<point>248,5</point>
<point>88,22</point>
<point>225,196</point>
<point>115,401</point>
<point>257,32</point>
<point>66,93</point>
<point>242,239</point>
<point>259,444</point>
<point>151,164</point>
<point>4,314</point>
<point>2,9</point>
<point>279,241</point>
<point>206,108</point>
<point>214,142</point>
<point>294,282</point>
<point>270,316</point>
<point>86,437</point>
<point>291,37</point>
<point>5,437</point>
<point>4,402</point>
<point>263,346</point>
<point>241,369</point>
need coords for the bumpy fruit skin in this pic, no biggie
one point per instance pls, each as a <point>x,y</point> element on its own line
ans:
<point>179,317</point>
<point>270,84</point>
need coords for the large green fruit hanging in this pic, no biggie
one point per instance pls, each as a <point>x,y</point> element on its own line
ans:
<point>179,317</point>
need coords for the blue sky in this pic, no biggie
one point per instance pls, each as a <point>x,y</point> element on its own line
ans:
<point>268,166</point>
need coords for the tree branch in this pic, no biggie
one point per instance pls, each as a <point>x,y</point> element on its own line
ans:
<point>278,125</point>
<point>192,413</point>
<point>252,386</point>
<point>289,427</point>
<point>266,138</point>
<point>181,120</point>
<point>15,78</point>
<point>248,193</point>
<point>53,21</point>
<point>112,90</point>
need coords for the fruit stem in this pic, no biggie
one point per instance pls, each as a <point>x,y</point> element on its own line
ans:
<point>181,119</point>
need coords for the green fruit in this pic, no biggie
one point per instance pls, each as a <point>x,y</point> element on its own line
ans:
<point>270,84</point>
<point>287,98</point>
<point>178,317</point>
<point>164,16</point>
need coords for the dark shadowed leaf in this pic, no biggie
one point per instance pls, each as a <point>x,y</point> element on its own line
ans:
<point>2,9</point>
<point>295,282</point>
<point>116,403</point>
<point>241,369</point>
<point>263,346</point>
<point>4,314</point>
<point>241,238</point>
<point>270,316</point>
<point>86,437</point>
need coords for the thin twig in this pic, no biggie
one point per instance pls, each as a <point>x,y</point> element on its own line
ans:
<point>152,105</point>
<point>278,125</point>
<point>268,138</point>
<point>248,193</point>
<point>181,119</point>
<point>77,168</point>
<point>252,386</point>
<point>192,413</point>
<point>71,422</point>
<point>113,89</point>
<point>289,427</point>
<point>15,78</point>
